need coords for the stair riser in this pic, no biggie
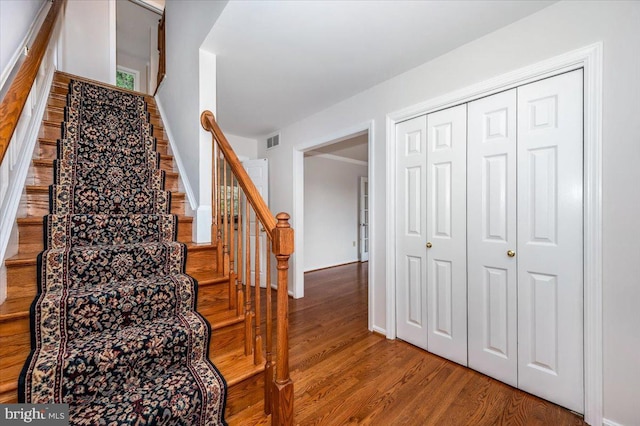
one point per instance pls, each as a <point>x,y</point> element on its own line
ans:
<point>43,175</point>
<point>46,150</point>
<point>31,235</point>
<point>213,298</point>
<point>57,101</point>
<point>201,264</point>
<point>227,339</point>
<point>38,204</point>
<point>22,279</point>
<point>244,394</point>
<point>54,114</point>
<point>15,344</point>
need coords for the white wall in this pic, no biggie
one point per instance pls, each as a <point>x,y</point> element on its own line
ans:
<point>16,20</point>
<point>330,209</point>
<point>245,148</point>
<point>189,85</point>
<point>560,28</point>
<point>88,40</point>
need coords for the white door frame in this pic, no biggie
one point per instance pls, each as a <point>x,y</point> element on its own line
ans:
<point>590,59</point>
<point>298,203</point>
<point>361,222</point>
<point>135,73</point>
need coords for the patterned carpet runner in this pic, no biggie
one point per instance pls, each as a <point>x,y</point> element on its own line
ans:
<point>114,329</point>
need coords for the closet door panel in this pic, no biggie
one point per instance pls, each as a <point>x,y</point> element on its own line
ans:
<point>411,271</point>
<point>550,239</point>
<point>446,233</point>
<point>491,234</point>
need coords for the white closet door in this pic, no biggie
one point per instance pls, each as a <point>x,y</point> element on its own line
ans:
<point>550,260</point>
<point>411,262</point>
<point>491,197</point>
<point>446,233</point>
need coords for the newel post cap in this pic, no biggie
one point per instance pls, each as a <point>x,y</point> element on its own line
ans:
<point>283,236</point>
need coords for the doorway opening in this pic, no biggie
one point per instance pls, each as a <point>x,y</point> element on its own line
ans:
<point>364,130</point>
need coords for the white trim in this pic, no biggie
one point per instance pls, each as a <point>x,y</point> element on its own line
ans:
<point>135,73</point>
<point>336,158</point>
<point>113,43</point>
<point>151,7</point>
<point>178,161</point>
<point>607,422</point>
<point>379,330</point>
<point>298,203</point>
<point>589,58</point>
<point>20,51</point>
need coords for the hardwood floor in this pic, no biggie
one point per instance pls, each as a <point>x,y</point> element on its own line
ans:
<point>344,374</point>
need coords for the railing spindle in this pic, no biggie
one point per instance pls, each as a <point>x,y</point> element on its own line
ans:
<point>268,368</point>
<point>240,305</point>
<point>248,335</point>
<point>218,241</point>
<point>215,188</point>
<point>225,218</point>
<point>232,247</point>
<point>257,354</point>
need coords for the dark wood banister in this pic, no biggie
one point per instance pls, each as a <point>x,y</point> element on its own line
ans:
<point>281,236</point>
<point>16,97</point>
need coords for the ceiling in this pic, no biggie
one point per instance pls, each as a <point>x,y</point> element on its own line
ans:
<point>281,61</point>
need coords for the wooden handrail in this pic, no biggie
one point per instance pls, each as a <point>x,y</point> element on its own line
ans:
<point>14,101</point>
<point>209,123</point>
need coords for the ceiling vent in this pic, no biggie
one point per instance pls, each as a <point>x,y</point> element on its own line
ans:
<point>273,141</point>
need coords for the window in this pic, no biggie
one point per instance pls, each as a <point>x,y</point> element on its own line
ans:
<point>127,78</point>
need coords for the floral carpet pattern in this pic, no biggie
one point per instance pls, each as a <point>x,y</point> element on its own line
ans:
<point>115,333</point>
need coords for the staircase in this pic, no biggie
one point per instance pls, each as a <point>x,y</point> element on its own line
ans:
<point>223,299</point>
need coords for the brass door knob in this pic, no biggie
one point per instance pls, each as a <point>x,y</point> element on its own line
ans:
<point>429,245</point>
<point>511,253</point>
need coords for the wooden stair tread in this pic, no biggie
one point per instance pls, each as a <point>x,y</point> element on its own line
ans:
<point>235,366</point>
<point>215,278</point>
<point>222,319</point>
<point>22,258</point>
<point>200,246</point>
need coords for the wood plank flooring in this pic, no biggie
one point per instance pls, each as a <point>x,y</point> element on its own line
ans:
<point>344,374</point>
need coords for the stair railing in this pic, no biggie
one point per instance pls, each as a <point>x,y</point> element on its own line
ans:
<point>240,216</point>
<point>22,105</point>
<point>16,97</point>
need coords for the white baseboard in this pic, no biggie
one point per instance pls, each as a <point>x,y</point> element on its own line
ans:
<point>379,330</point>
<point>176,157</point>
<point>607,422</point>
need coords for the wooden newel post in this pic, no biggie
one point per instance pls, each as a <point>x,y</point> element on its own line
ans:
<point>282,408</point>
